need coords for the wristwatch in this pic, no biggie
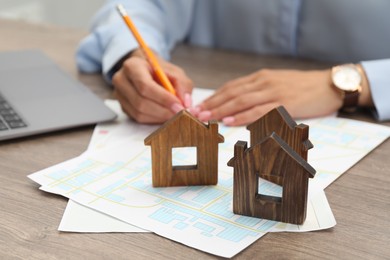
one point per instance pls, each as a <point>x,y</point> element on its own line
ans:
<point>347,78</point>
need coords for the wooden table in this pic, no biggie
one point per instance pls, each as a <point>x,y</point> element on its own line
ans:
<point>29,218</point>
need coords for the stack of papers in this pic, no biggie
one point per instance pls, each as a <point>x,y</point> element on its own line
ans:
<point>111,184</point>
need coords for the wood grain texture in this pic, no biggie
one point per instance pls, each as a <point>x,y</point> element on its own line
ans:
<point>185,130</point>
<point>278,120</point>
<point>29,218</point>
<point>270,157</point>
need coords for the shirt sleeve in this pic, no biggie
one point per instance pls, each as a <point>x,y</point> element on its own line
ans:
<point>162,23</point>
<point>377,72</point>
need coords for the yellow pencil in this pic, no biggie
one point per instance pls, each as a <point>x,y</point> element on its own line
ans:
<point>162,77</point>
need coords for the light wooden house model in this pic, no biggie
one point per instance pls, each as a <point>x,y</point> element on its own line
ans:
<point>185,131</point>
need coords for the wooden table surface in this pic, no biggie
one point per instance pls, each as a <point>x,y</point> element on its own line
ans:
<point>29,218</point>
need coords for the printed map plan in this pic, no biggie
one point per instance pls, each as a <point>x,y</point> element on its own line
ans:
<point>79,218</point>
<point>119,181</point>
<point>116,180</point>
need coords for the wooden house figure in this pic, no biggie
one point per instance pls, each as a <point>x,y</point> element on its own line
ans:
<point>270,157</point>
<point>279,121</point>
<point>185,130</point>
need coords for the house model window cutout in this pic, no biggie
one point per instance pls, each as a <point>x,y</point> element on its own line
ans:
<point>183,131</point>
<point>272,158</point>
<point>185,157</point>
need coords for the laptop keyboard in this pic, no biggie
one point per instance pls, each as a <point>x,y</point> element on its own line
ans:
<point>9,119</point>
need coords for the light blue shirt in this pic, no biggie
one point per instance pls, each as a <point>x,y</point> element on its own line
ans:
<point>339,31</point>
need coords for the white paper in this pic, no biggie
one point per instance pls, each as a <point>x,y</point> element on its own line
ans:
<point>318,216</point>
<point>86,180</point>
<point>118,182</point>
<point>78,218</point>
<point>103,135</point>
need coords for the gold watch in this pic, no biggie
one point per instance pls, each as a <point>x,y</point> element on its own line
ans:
<point>347,78</point>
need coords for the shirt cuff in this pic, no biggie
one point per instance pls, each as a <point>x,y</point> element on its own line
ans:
<point>377,72</point>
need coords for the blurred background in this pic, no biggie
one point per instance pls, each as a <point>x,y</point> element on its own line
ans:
<point>68,13</point>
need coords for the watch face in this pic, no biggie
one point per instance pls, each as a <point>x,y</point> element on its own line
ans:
<point>347,78</point>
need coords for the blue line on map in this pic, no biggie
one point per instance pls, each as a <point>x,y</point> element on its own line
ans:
<point>181,225</point>
<point>167,215</point>
<point>113,168</point>
<point>204,227</point>
<point>83,165</point>
<point>110,188</point>
<point>81,180</point>
<point>64,186</point>
<point>59,174</point>
<point>229,232</point>
<point>114,197</point>
<point>248,221</point>
<point>207,195</point>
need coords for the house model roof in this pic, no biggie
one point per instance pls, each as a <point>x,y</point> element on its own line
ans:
<point>278,120</point>
<point>182,120</point>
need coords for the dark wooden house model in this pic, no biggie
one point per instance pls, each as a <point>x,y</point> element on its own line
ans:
<point>272,156</point>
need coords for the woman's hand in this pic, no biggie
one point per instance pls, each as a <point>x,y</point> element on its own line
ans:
<point>303,93</point>
<point>141,96</point>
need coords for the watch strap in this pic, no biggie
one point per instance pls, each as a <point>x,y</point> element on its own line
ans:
<point>350,100</point>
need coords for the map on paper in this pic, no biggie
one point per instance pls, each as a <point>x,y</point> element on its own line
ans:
<point>79,218</point>
<point>116,180</point>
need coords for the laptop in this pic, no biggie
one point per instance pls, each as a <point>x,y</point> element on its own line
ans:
<point>36,97</point>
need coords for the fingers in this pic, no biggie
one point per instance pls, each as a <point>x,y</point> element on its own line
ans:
<point>140,96</point>
<point>304,94</point>
<point>237,98</point>
<point>234,89</point>
<point>140,109</point>
<point>181,82</point>
<point>139,74</point>
<point>238,102</point>
<point>233,84</point>
<point>138,116</point>
<point>143,98</point>
<point>242,102</point>
<point>250,115</point>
